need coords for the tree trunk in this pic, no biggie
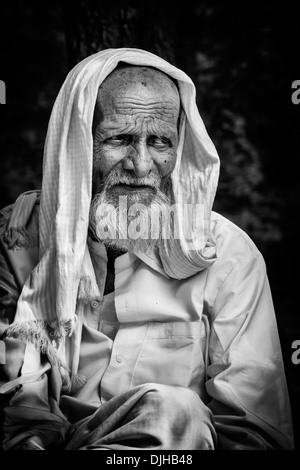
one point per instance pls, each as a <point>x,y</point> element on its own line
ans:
<point>94,25</point>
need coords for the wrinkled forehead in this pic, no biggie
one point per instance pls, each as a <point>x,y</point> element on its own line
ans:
<point>143,85</point>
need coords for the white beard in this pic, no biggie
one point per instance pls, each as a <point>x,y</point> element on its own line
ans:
<point>129,221</point>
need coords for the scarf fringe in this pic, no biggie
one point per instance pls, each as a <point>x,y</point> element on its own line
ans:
<point>63,328</point>
<point>88,289</point>
<point>17,238</point>
<point>35,333</point>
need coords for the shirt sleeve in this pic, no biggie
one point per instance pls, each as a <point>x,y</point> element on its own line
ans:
<point>246,377</point>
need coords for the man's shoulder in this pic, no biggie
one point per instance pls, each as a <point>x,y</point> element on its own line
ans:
<point>231,240</point>
<point>20,218</point>
<point>238,258</point>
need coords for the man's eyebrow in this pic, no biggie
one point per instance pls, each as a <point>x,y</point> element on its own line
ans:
<point>167,134</point>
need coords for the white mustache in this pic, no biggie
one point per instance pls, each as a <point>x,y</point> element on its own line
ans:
<point>115,177</point>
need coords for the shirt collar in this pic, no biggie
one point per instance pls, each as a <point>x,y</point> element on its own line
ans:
<point>151,258</point>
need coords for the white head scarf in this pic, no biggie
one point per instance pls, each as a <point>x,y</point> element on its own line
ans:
<point>50,294</point>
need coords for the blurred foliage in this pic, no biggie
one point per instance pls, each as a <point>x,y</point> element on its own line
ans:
<point>243,63</point>
<point>93,25</point>
<point>33,66</point>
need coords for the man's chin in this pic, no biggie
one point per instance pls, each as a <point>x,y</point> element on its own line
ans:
<point>133,224</point>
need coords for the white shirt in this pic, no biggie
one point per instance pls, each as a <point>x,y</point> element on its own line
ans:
<point>149,329</point>
<point>214,332</point>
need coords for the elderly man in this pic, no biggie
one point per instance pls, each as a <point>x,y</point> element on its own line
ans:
<point>133,316</point>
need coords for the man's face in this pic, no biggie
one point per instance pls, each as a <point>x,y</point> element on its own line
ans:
<point>136,128</point>
<point>135,147</point>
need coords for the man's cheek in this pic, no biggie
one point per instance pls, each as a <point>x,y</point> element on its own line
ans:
<point>168,162</point>
<point>109,159</point>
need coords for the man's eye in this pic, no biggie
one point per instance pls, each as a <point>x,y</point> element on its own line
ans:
<point>121,139</point>
<point>159,142</point>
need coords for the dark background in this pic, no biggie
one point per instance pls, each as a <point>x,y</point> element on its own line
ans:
<point>243,58</point>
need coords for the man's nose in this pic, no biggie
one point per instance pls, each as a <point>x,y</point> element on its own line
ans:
<point>139,161</point>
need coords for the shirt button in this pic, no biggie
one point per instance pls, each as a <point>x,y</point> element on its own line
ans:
<point>94,304</point>
<point>119,358</point>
